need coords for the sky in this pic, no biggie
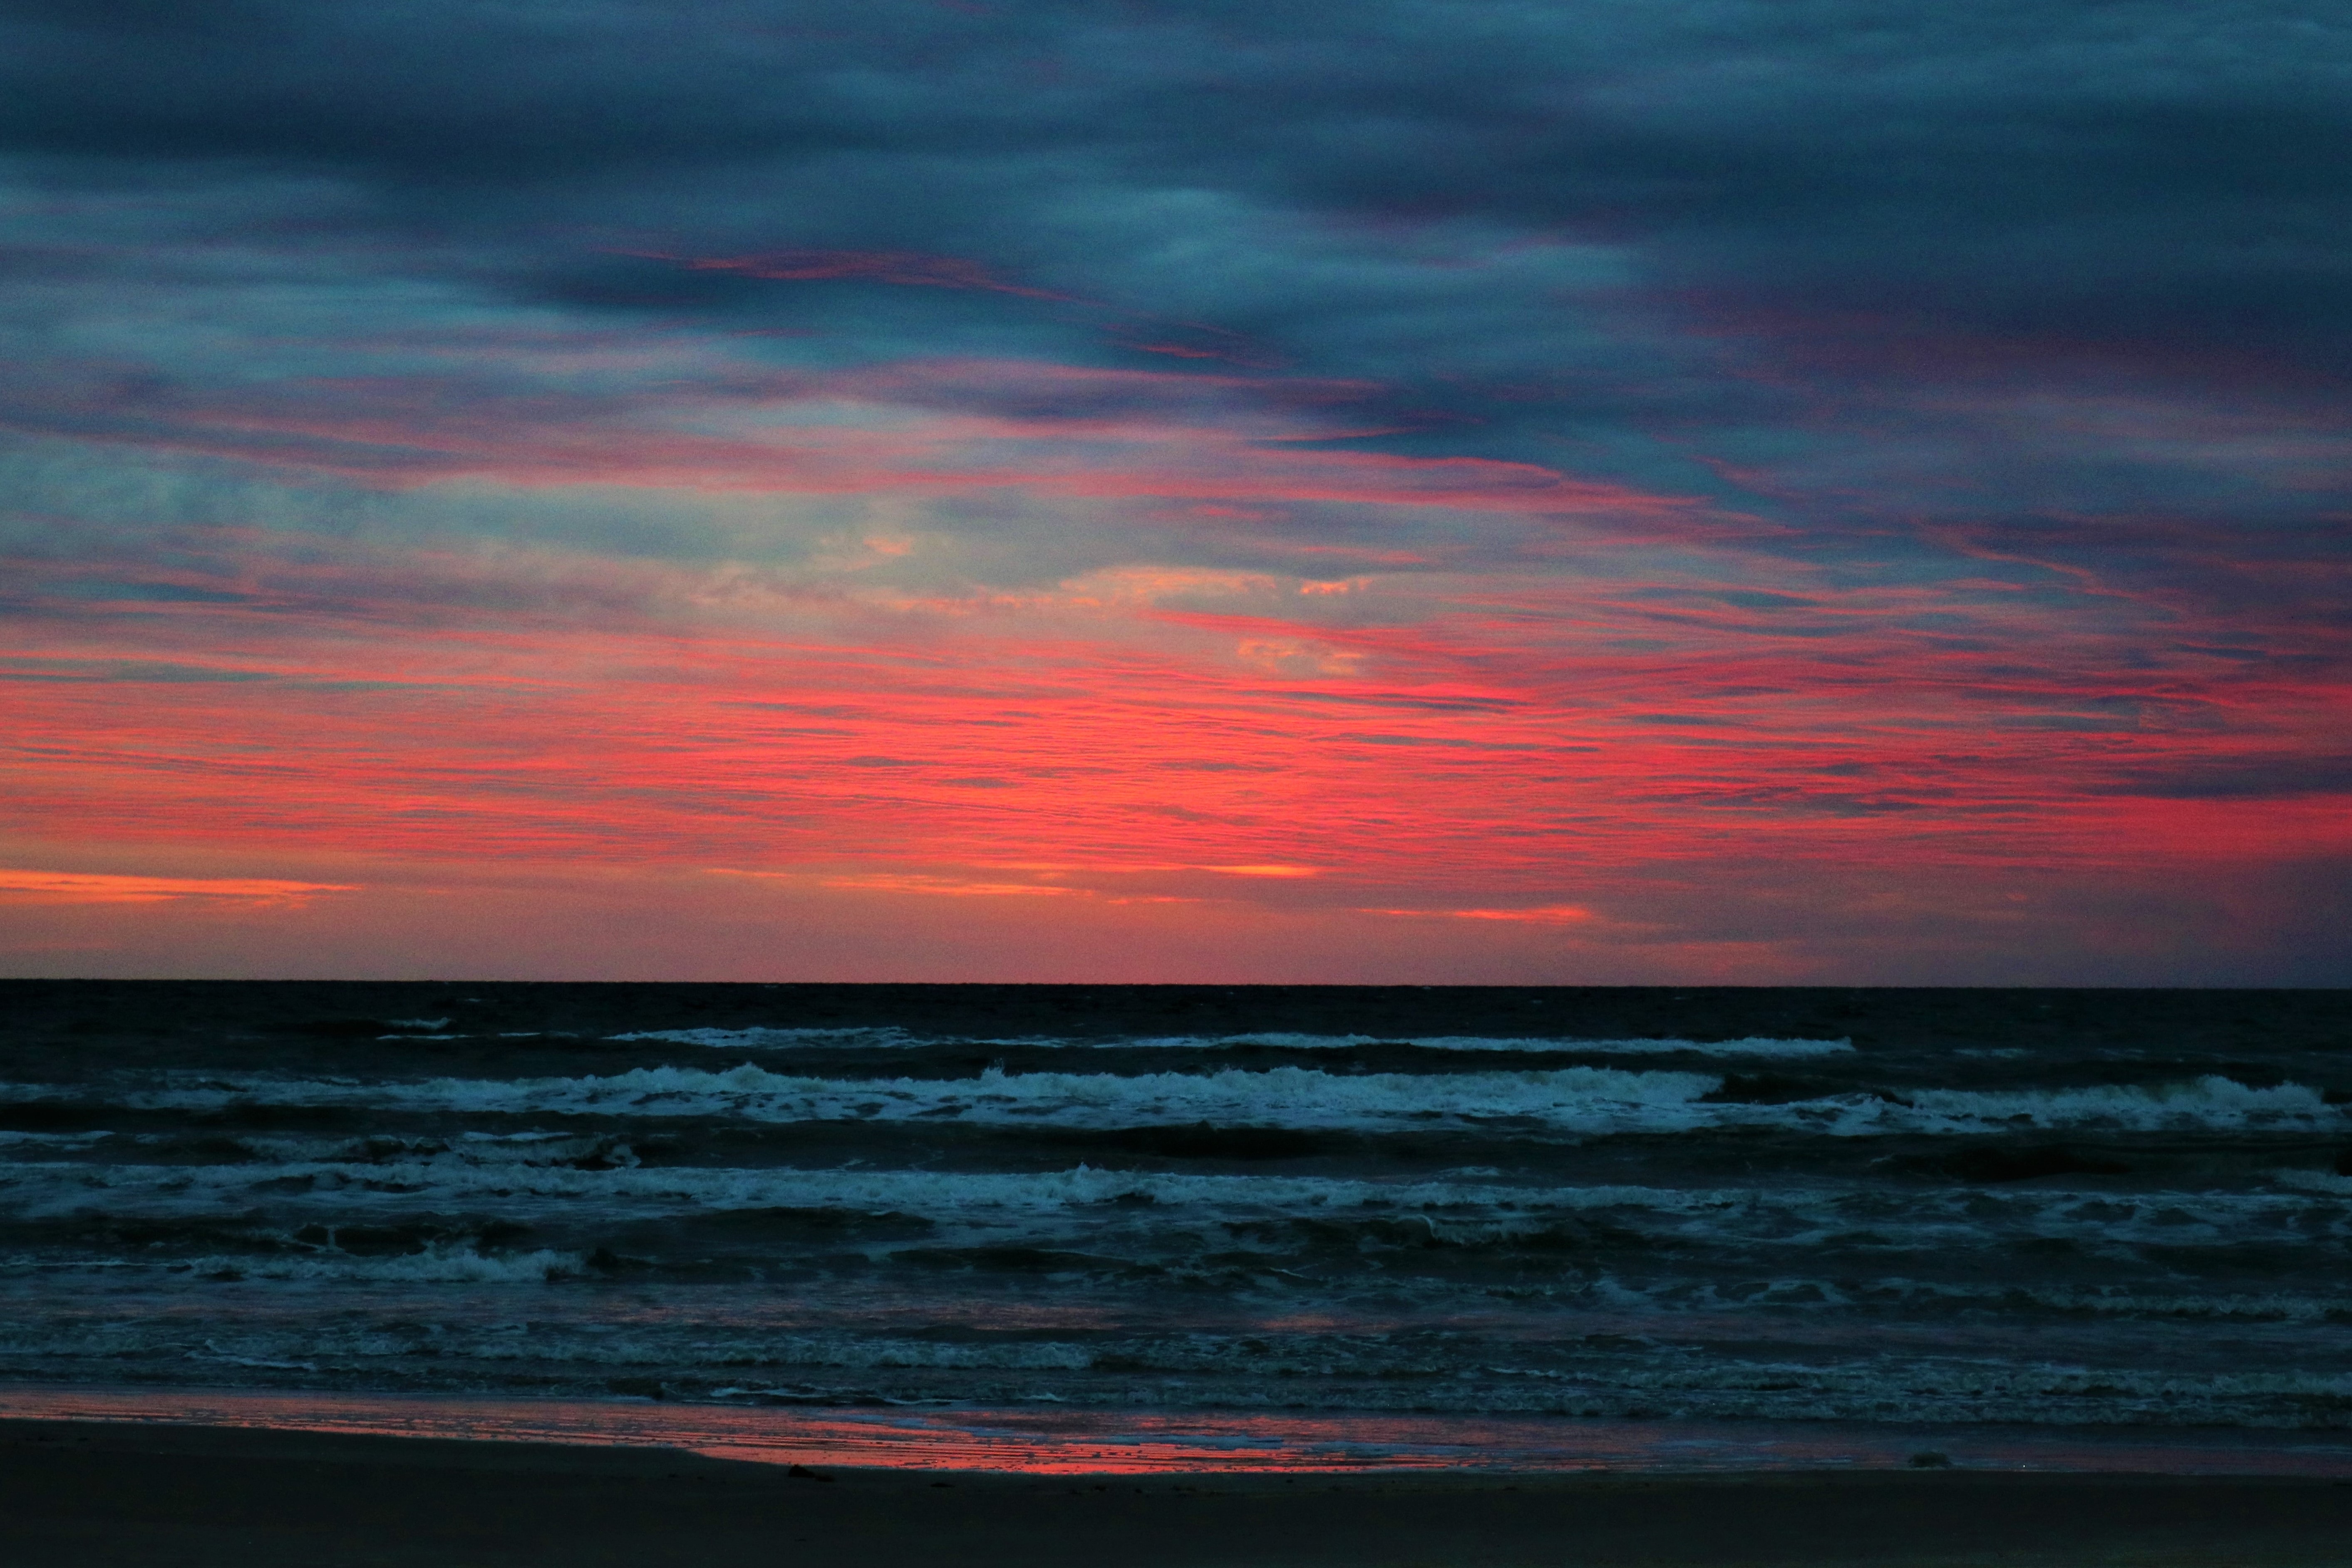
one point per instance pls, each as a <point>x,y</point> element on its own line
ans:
<point>1605,491</point>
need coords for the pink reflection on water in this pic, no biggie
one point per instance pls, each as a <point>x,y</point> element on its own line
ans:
<point>1092,1442</point>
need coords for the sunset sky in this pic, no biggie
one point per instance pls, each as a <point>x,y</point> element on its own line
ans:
<point>1611,491</point>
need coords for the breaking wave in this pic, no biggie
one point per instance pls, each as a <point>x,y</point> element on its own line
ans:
<point>870,1038</point>
<point>434,1266</point>
<point>1578,1100</point>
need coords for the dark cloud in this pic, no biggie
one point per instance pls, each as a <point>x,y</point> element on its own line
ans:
<point>2129,171</point>
<point>2237,778</point>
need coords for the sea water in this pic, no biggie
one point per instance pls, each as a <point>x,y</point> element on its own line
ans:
<point>2122,1212</point>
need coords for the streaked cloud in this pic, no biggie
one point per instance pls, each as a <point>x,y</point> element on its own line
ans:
<point>1542,914</point>
<point>95,888</point>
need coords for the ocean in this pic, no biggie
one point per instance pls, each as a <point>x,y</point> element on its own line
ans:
<point>1237,1209</point>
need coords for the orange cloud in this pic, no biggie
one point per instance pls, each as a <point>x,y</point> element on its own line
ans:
<point>944,887</point>
<point>1264,870</point>
<point>1543,914</point>
<point>90,888</point>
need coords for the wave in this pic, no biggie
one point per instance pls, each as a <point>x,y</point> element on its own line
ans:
<point>1755,1046</point>
<point>780,1039</point>
<point>432,1266</point>
<point>454,1180</point>
<point>2209,1102</point>
<point>1575,1101</point>
<point>772,1039</point>
<point>2112,1301</point>
<point>1580,1099</point>
<point>417,1203</point>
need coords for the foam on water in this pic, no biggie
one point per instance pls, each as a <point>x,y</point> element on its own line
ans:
<point>1753,1047</point>
<point>39,1188</point>
<point>873,1039</point>
<point>1587,1098</point>
<point>778,1039</point>
<point>1574,1100</point>
<point>1158,1215</point>
<point>433,1265</point>
<point>2109,1301</point>
<point>52,1139</point>
<point>456,1179</point>
<point>2211,1102</point>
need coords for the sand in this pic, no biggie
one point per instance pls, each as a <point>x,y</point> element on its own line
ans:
<point>99,1495</point>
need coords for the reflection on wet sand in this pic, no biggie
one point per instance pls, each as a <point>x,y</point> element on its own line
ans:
<point>1055,1442</point>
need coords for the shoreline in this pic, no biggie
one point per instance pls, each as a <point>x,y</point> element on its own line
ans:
<point>1056,1440</point>
<point>133,1494</point>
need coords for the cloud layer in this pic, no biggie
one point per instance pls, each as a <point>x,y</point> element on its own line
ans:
<point>1609,491</point>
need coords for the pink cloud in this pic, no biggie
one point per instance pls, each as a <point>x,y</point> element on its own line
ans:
<point>526,707</point>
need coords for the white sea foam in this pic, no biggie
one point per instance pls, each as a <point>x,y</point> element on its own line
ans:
<point>458,1179</point>
<point>435,1266</point>
<point>1753,1047</point>
<point>2209,1102</point>
<point>1968,1388</point>
<point>2273,1307</point>
<point>2315,1180</point>
<point>1582,1101</point>
<point>778,1039</point>
<point>565,1146</point>
<point>213,1352</point>
<point>1585,1099</point>
<point>1074,1203</point>
<point>767,1038</point>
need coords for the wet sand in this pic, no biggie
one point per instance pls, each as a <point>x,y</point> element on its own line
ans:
<point>100,1495</point>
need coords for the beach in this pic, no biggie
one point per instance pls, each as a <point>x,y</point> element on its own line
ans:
<point>89,1493</point>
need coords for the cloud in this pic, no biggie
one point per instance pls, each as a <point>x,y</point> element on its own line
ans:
<point>104,887</point>
<point>905,267</point>
<point>943,886</point>
<point>1540,914</point>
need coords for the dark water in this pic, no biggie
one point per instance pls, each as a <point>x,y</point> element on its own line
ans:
<point>1904,1207</point>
